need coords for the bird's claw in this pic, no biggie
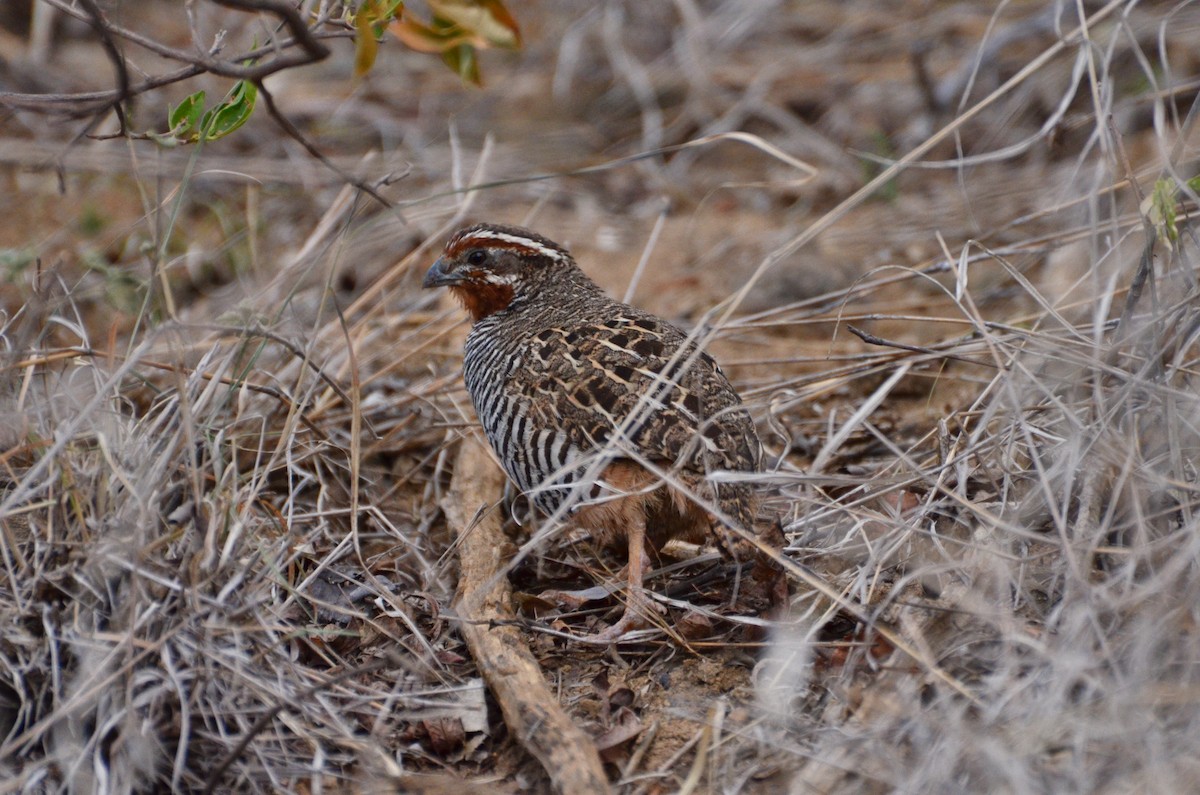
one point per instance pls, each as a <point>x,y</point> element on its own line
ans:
<point>638,613</point>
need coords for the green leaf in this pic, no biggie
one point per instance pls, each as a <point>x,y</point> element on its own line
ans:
<point>182,119</point>
<point>392,10</point>
<point>232,113</point>
<point>1159,208</point>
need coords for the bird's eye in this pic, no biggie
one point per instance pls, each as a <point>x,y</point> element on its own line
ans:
<point>477,257</point>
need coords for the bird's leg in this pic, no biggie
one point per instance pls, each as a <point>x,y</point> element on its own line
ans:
<point>639,607</point>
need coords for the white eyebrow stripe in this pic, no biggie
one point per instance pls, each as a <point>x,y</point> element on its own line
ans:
<point>494,278</point>
<point>545,251</point>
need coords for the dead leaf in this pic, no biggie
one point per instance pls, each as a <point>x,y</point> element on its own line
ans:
<point>489,22</point>
<point>365,45</point>
<point>457,30</point>
<point>446,735</point>
<point>625,726</point>
<point>694,626</point>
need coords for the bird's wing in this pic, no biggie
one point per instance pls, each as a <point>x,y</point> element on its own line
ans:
<point>634,381</point>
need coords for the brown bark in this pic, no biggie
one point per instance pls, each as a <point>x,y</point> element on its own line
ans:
<point>484,600</point>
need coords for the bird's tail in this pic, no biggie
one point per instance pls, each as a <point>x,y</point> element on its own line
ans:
<point>739,505</point>
<point>765,587</point>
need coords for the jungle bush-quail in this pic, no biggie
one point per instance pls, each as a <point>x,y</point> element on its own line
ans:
<point>599,412</point>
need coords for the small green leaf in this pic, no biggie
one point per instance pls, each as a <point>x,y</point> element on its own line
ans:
<point>1159,208</point>
<point>232,113</point>
<point>393,10</point>
<point>182,118</point>
<point>14,261</point>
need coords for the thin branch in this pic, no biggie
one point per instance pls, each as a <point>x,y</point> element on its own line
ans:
<point>308,40</point>
<point>98,23</point>
<point>871,339</point>
<point>292,130</point>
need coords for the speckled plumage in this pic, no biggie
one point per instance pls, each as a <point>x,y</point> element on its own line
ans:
<point>583,397</point>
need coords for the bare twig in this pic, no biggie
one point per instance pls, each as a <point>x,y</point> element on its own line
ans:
<point>286,125</point>
<point>304,46</point>
<point>531,711</point>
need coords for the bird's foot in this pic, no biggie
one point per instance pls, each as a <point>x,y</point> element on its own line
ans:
<point>639,613</point>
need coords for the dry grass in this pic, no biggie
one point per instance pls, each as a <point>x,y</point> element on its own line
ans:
<point>228,415</point>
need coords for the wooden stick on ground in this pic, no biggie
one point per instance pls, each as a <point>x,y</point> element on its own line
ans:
<point>530,709</point>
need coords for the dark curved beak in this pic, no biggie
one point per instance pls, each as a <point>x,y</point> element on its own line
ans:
<point>437,275</point>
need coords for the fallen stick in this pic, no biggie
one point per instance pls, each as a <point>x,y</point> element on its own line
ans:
<point>531,711</point>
